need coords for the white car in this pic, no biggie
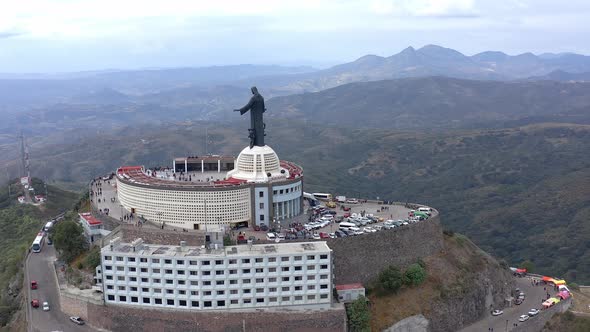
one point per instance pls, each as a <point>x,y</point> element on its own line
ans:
<point>523,318</point>
<point>359,232</point>
<point>369,230</point>
<point>316,236</point>
<point>497,312</point>
<point>45,306</point>
<point>332,235</point>
<point>533,312</point>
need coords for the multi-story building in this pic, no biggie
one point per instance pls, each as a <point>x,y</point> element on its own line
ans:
<point>93,228</point>
<point>194,193</point>
<point>220,278</point>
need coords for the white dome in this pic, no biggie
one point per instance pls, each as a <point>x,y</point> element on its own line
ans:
<point>256,163</point>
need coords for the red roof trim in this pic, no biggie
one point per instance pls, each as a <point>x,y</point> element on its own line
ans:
<point>89,218</point>
<point>349,286</point>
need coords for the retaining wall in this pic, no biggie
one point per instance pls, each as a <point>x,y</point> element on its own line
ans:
<point>361,258</point>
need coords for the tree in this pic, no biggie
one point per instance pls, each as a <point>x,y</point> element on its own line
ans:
<point>69,240</point>
<point>415,275</point>
<point>528,265</point>
<point>93,258</point>
<point>391,279</point>
<point>359,315</point>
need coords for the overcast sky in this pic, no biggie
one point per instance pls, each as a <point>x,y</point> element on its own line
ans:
<point>73,35</point>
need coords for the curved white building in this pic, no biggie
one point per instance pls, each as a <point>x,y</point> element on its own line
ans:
<point>196,193</point>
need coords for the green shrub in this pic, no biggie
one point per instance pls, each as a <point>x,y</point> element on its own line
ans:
<point>414,275</point>
<point>528,265</point>
<point>359,315</point>
<point>390,279</point>
<point>93,258</point>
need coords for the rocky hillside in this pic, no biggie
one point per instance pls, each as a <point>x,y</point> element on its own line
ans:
<point>463,282</point>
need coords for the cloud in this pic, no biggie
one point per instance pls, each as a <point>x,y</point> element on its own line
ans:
<point>10,34</point>
<point>425,8</point>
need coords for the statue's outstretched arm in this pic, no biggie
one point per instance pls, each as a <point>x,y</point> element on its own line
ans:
<point>247,107</point>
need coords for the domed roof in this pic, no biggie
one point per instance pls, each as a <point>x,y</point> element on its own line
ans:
<point>256,163</point>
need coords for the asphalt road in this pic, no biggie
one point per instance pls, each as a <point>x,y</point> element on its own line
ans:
<point>39,268</point>
<point>533,299</point>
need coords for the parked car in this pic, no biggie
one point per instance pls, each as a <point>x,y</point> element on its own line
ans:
<point>533,312</point>
<point>497,312</point>
<point>49,241</point>
<point>324,235</point>
<point>35,303</point>
<point>346,208</point>
<point>523,318</point>
<point>332,235</point>
<point>316,236</point>
<point>518,301</point>
<point>45,306</point>
<point>33,284</point>
<point>77,320</point>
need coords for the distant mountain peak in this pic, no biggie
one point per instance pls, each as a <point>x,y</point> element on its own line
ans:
<point>435,50</point>
<point>491,56</point>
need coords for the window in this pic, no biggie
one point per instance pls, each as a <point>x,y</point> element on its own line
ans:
<point>233,271</point>
<point>133,289</point>
<point>121,278</point>
<point>259,270</point>
<point>207,304</point>
<point>143,270</point>
<point>285,289</point>
<point>298,298</point>
<point>323,256</point>
<point>220,292</point>
<point>170,302</point>
<point>108,267</point>
<point>132,269</point>
<point>206,273</point>
<point>122,298</point>
<point>324,286</point>
<point>121,288</point>
<point>193,262</point>
<point>108,258</point>
<point>274,192</point>
<point>195,293</point>
<point>286,298</point>
<point>259,280</point>
<point>272,299</point>
<point>233,291</point>
<point>219,262</point>
<point>246,291</point>
<point>261,194</point>
<point>233,282</point>
<point>143,260</point>
<point>182,303</point>
<point>156,261</point>
<point>245,271</point>
<point>324,266</point>
<point>262,217</point>
<point>157,290</point>
<point>245,281</point>
<point>298,288</point>
<point>144,280</point>
<point>194,283</point>
<point>219,272</point>
<point>260,300</point>
<point>134,299</point>
<point>219,282</point>
<point>119,259</point>
<point>110,287</point>
<point>323,296</point>
<point>281,191</point>
<point>169,281</point>
<point>247,301</point>
<point>167,261</point>
<point>246,261</point>
<point>284,259</point>
<point>206,283</point>
<point>179,262</point>
<point>272,289</point>
<point>311,257</point>
<point>131,259</point>
<point>310,287</point>
<point>272,259</point>
<point>155,270</point>
<point>170,291</point>
<point>233,261</point>
<point>285,278</point>
<point>312,277</point>
<point>111,297</point>
<point>145,290</point>
<point>259,290</point>
<point>311,297</point>
<point>194,303</point>
<point>273,279</point>
<point>181,282</point>
<point>180,272</point>
<point>311,267</point>
<point>168,271</point>
<point>157,281</point>
<point>194,273</point>
<point>234,302</point>
<point>298,278</point>
<point>145,300</point>
<point>258,260</point>
<point>324,276</point>
<point>298,258</point>
<point>207,293</point>
<point>120,268</point>
<point>158,301</point>
<point>272,269</point>
<point>297,268</point>
<point>261,205</point>
<point>109,277</point>
<point>285,269</point>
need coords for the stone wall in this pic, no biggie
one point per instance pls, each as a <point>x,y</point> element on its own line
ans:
<point>125,318</point>
<point>361,258</point>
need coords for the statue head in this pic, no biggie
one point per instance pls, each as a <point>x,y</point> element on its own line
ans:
<point>254,90</point>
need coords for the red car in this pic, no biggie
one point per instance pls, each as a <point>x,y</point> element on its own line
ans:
<point>346,208</point>
<point>33,284</point>
<point>347,215</point>
<point>324,235</point>
<point>35,303</point>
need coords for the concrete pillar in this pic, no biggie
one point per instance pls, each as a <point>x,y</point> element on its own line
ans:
<point>218,165</point>
<point>202,165</point>
<point>185,165</point>
<point>173,165</point>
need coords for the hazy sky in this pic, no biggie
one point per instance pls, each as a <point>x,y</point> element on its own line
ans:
<point>72,35</point>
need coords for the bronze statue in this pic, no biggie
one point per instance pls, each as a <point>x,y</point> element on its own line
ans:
<point>256,108</point>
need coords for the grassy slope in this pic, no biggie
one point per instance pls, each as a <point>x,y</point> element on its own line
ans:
<point>567,322</point>
<point>18,226</point>
<point>450,273</point>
